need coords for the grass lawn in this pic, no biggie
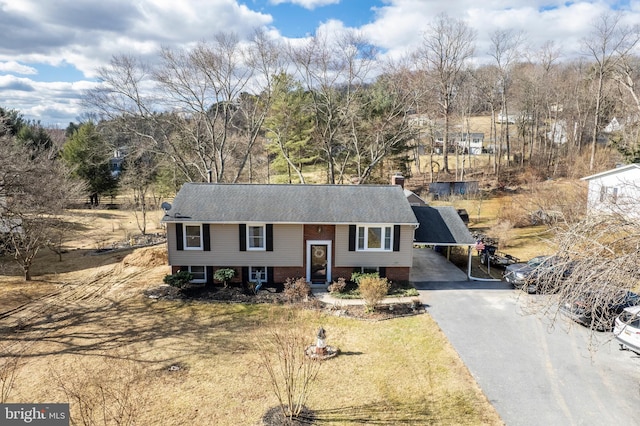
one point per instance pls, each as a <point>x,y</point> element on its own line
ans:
<point>389,372</point>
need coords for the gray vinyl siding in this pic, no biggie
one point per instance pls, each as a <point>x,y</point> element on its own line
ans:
<point>225,248</point>
<point>346,258</point>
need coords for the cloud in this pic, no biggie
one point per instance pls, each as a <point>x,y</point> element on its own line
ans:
<point>307,4</point>
<point>16,68</point>
<point>87,33</point>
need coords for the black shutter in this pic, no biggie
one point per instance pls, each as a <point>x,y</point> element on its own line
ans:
<point>179,236</point>
<point>206,237</point>
<point>352,238</point>
<point>396,237</point>
<point>209,275</point>
<point>270,275</point>
<point>269,237</point>
<point>245,274</point>
<point>382,272</point>
<point>243,236</point>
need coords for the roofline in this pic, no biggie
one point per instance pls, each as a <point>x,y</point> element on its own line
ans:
<point>612,171</point>
<point>237,222</point>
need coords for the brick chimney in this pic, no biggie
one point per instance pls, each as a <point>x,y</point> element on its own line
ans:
<point>397,179</point>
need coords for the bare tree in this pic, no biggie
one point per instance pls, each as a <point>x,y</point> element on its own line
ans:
<point>446,48</point>
<point>333,68</point>
<point>505,50</point>
<point>110,392</point>
<point>290,371</point>
<point>203,107</point>
<point>379,125</point>
<point>34,190</point>
<point>609,43</point>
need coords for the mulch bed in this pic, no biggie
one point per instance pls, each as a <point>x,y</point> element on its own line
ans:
<point>235,294</point>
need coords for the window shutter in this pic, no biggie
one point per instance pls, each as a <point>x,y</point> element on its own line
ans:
<point>209,270</point>
<point>396,237</point>
<point>382,272</point>
<point>269,237</point>
<point>206,237</point>
<point>179,236</point>
<point>243,236</point>
<point>270,275</point>
<point>352,238</point>
<point>245,274</point>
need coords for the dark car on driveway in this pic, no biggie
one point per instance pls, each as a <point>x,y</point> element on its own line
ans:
<point>538,275</point>
<point>598,309</point>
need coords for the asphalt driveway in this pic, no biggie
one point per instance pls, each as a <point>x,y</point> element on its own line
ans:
<point>534,371</point>
<point>534,374</point>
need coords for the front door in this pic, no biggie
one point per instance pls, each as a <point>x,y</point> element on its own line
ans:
<point>318,262</point>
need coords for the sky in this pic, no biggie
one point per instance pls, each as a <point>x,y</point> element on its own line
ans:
<point>50,50</point>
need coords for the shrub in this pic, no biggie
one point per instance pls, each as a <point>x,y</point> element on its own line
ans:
<point>179,280</point>
<point>357,276</point>
<point>338,286</point>
<point>224,275</point>
<point>373,289</point>
<point>296,290</point>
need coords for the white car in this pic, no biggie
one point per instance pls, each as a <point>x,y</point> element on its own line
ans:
<point>627,329</point>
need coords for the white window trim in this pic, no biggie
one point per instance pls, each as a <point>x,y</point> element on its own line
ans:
<point>266,273</point>
<point>264,236</point>
<point>184,237</point>
<point>204,280</point>
<point>366,237</point>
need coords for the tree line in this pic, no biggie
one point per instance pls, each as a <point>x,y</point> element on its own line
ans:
<point>258,110</point>
<point>234,110</point>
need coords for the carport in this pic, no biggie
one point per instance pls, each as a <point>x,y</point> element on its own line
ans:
<point>439,227</point>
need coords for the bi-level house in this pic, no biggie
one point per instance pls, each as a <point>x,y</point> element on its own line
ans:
<point>274,232</point>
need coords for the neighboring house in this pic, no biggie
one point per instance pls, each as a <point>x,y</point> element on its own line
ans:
<point>615,191</point>
<point>274,232</point>
<point>466,141</point>
<point>116,163</point>
<point>613,126</point>
<point>558,132</point>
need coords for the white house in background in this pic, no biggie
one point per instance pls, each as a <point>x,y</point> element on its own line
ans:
<point>558,132</point>
<point>613,126</point>
<point>615,191</point>
<point>472,142</point>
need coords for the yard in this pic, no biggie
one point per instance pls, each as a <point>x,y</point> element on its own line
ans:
<point>83,331</point>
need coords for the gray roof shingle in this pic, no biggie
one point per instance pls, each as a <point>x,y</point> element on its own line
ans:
<point>442,226</point>
<point>239,203</point>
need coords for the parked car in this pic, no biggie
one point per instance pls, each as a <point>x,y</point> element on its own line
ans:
<point>627,329</point>
<point>539,275</point>
<point>598,309</point>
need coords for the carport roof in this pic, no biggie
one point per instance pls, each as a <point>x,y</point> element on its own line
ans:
<point>441,226</point>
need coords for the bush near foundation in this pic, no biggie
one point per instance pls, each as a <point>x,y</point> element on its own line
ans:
<point>373,290</point>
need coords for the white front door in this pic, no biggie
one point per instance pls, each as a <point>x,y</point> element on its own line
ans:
<point>319,261</point>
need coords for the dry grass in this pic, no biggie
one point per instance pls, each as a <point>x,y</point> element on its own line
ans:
<point>84,324</point>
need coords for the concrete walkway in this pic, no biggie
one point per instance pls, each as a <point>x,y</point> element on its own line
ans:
<point>428,267</point>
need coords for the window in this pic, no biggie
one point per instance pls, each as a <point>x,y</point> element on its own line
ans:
<point>608,194</point>
<point>258,273</point>
<point>369,269</point>
<point>199,274</point>
<point>256,237</point>
<point>193,237</point>
<point>374,238</point>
